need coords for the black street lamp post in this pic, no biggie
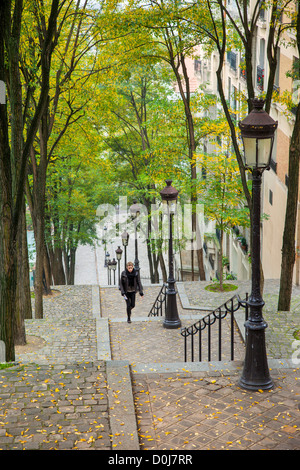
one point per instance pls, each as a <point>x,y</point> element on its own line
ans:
<point>119,252</point>
<point>125,240</point>
<point>113,265</point>
<point>172,320</point>
<point>135,212</point>
<point>105,245</point>
<point>257,132</point>
<point>107,261</point>
<point>109,271</point>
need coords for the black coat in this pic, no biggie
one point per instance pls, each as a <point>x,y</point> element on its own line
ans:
<point>137,285</point>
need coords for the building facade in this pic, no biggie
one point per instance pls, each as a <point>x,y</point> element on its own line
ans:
<point>275,181</point>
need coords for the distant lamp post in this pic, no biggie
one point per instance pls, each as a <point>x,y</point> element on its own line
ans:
<point>135,212</point>
<point>119,252</point>
<point>105,245</point>
<point>257,131</point>
<point>125,240</point>
<point>169,198</point>
<point>113,266</point>
<point>109,271</point>
<point>107,261</point>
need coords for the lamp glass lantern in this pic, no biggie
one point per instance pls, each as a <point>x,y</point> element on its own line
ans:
<point>169,197</point>
<point>113,264</point>
<point>125,238</point>
<point>257,132</point>
<point>119,252</point>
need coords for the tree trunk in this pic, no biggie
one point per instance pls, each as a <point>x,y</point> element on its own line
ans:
<point>23,297</point>
<point>58,268</point>
<point>289,234</point>
<point>12,186</point>
<point>39,185</point>
<point>7,251</point>
<point>71,277</point>
<point>149,254</point>
<point>152,246</point>
<point>288,241</point>
<point>47,272</point>
<point>22,290</point>
<point>220,261</point>
<point>185,96</point>
<point>200,255</point>
<point>163,267</point>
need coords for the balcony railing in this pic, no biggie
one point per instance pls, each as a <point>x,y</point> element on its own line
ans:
<point>243,74</point>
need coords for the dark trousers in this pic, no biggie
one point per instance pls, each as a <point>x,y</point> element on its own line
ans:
<point>130,302</point>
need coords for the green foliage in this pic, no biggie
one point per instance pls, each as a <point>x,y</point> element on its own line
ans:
<point>221,190</point>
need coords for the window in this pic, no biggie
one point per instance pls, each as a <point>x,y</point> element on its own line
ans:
<point>232,60</point>
<point>276,79</point>
<point>262,15</point>
<point>296,83</point>
<point>261,66</point>
<point>270,197</point>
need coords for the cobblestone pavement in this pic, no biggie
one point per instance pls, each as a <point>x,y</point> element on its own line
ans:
<point>207,410</point>
<point>54,407</point>
<point>68,327</point>
<point>56,397</point>
<point>62,396</point>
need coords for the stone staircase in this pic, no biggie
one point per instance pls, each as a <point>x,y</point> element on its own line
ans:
<point>142,347</point>
<point>132,360</point>
<point>146,347</point>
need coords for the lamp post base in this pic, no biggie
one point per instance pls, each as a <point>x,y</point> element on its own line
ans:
<point>171,324</point>
<point>255,374</point>
<point>172,319</point>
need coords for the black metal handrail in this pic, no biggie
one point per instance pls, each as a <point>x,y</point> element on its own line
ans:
<point>157,307</point>
<point>217,315</point>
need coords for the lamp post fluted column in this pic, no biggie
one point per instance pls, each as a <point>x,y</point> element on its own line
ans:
<point>171,320</point>
<point>256,375</point>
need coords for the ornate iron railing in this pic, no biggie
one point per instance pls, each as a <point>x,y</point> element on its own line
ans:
<point>215,317</point>
<point>160,302</point>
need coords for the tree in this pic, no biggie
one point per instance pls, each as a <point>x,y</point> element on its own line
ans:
<point>11,181</point>
<point>70,220</point>
<point>73,45</point>
<point>131,116</point>
<point>288,241</point>
<point>222,192</point>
